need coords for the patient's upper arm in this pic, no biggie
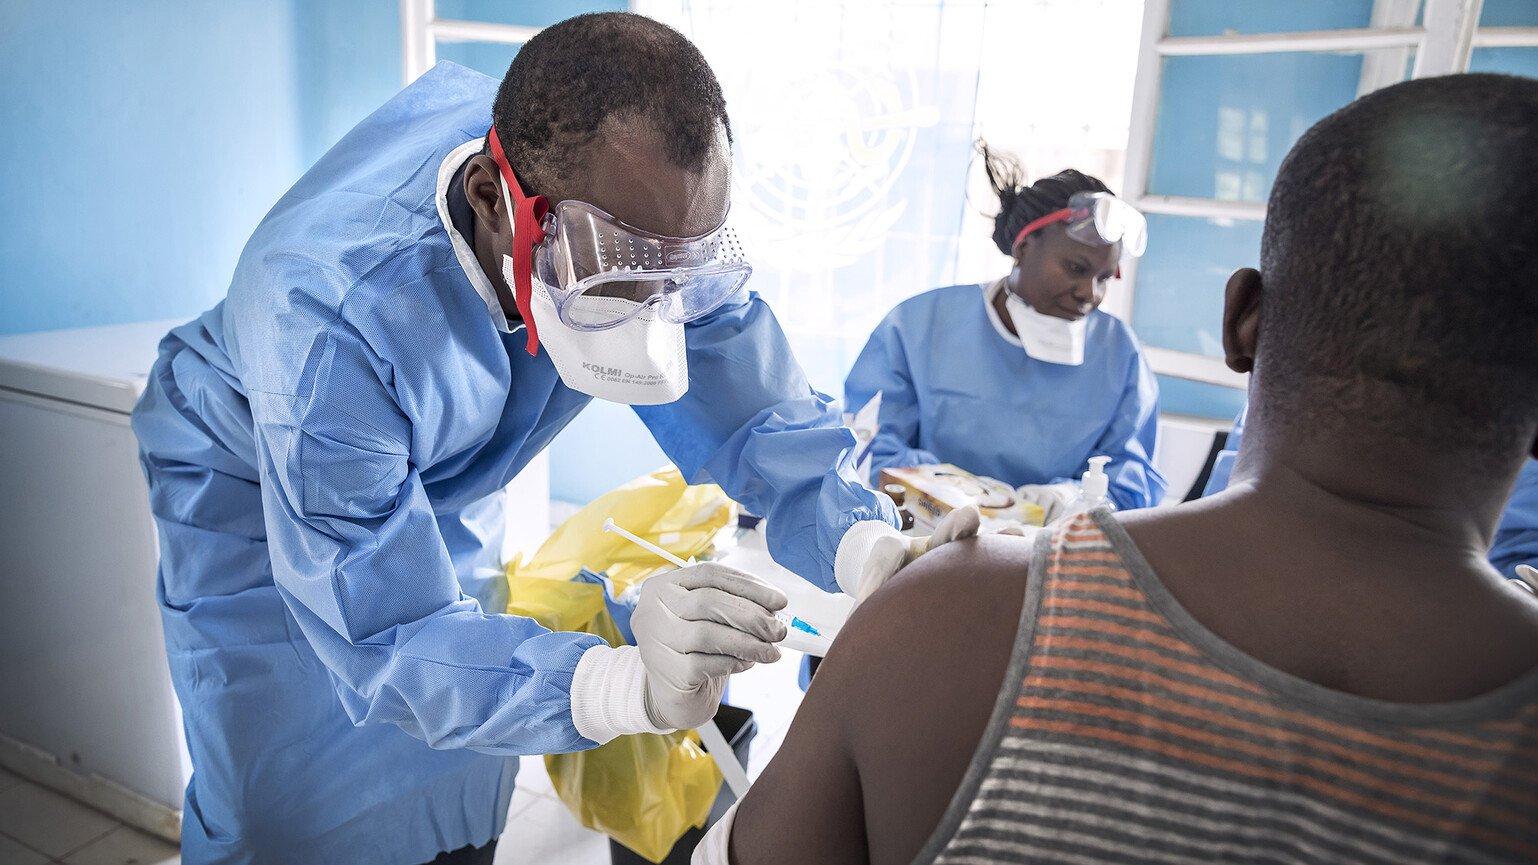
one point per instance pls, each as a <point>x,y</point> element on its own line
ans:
<point>889,725</point>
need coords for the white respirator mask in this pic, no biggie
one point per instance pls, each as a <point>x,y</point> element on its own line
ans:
<point>642,361</point>
<point>609,300</point>
<point>1045,337</point>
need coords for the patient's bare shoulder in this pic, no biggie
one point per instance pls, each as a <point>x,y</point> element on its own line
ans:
<point>920,666</point>
<point>892,718</point>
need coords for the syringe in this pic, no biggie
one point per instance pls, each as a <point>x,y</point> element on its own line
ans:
<point>792,623</point>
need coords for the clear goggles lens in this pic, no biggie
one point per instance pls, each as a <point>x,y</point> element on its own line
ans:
<point>590,260</point>
<point>1101,219</point>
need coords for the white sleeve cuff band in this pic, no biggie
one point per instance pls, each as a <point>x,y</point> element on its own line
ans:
<point>854,551</point>
<point>608,694</point>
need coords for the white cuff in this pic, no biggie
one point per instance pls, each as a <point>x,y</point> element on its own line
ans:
<point>712,849</point>
<point>608,694</point>
<point>854,550</point>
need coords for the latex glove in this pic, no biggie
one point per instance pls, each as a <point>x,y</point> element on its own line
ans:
<point>872,551</point>
<point>1054,499</point>
<point>693,628</point>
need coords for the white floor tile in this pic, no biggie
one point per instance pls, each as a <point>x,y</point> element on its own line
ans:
<point>46,821</point>
<point>544,833</point>
<point>533,778</point>
<point>125,846</point>
<point>13,853</point>
<point>522,799</point>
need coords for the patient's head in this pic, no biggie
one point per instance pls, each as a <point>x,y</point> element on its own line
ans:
<point>1397,294</point>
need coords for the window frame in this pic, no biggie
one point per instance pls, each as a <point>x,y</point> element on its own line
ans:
<point>1443,44</point>
<point>422,30</point>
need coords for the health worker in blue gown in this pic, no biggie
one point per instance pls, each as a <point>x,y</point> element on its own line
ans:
<point>1023,379</point>
<point>1516,537</point>
<point>411,323</point>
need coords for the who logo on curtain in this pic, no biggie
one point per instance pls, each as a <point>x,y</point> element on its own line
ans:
<point>852,124</point>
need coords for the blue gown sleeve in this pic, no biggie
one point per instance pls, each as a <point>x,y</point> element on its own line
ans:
<point>1223,465</point>
<point>1130,438</point>
<point>882,367</point>
<point>751,423</point>
<point>359,559</point>
<point>1516,538</point>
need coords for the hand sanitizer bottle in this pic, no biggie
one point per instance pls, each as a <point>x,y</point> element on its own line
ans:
<point>1093,491</point>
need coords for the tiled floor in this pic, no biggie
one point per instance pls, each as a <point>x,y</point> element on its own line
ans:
<point>38,826</point>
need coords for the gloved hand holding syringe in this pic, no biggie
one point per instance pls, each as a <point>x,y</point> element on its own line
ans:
<point>799,635</point>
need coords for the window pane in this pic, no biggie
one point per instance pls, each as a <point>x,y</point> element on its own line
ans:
<point>1509,13</point>
<point>1511,61</point>
<point>487,58</point>
<point>1216,17</point>
<point>528,13</point>
<point>1225,123</point>
<point>1199,398</point>
<point>1177,302</point>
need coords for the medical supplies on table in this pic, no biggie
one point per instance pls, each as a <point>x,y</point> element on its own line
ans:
<point>932,491</point>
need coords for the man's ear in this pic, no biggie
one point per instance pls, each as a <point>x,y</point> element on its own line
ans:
<point>1241,319</point>
<point>483,188</point>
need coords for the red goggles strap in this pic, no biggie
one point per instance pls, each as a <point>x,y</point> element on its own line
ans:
<point>528,230</point>
<point>1042,222</point>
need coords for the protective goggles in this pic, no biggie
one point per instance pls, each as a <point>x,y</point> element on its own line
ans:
<point>1097,219</point>
<point>585,258</point>
<point>589,256</point>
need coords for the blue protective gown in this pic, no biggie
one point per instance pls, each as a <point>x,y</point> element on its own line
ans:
<point>1516,537</point>
<point>956,387</point>
<point>322,450</point>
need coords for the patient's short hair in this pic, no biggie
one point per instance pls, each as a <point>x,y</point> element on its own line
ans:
<point>1401,294</point>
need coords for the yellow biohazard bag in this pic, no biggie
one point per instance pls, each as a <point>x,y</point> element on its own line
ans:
<point>644,791</point>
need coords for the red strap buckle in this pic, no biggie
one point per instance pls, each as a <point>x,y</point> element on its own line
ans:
<point>528,231</point>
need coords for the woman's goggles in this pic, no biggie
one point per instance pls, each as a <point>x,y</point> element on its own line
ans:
<point>1097,219</point>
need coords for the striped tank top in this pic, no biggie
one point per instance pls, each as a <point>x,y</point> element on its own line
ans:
<point>1129,733</point>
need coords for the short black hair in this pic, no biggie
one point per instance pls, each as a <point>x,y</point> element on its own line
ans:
<point>1397,262</point>
<point>572,76</point>
<point>1019,204</point>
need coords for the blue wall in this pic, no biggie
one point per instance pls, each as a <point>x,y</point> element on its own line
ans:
<point>143,141</point>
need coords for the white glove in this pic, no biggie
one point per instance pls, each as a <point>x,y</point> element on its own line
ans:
<point>872,551</point>
<point>693,627</point>
<point>1054,499</point>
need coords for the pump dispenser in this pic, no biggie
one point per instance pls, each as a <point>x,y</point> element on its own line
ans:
<point>1095,488</point>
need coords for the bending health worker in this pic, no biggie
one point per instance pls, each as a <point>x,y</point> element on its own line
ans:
<point>415,320</point>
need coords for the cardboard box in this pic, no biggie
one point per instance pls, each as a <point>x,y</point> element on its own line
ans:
<point>930,492</point>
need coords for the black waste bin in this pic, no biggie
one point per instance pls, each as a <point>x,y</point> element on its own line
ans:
<point>739,728</point>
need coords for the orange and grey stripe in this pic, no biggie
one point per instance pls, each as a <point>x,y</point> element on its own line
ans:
<point>1127,743</point>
